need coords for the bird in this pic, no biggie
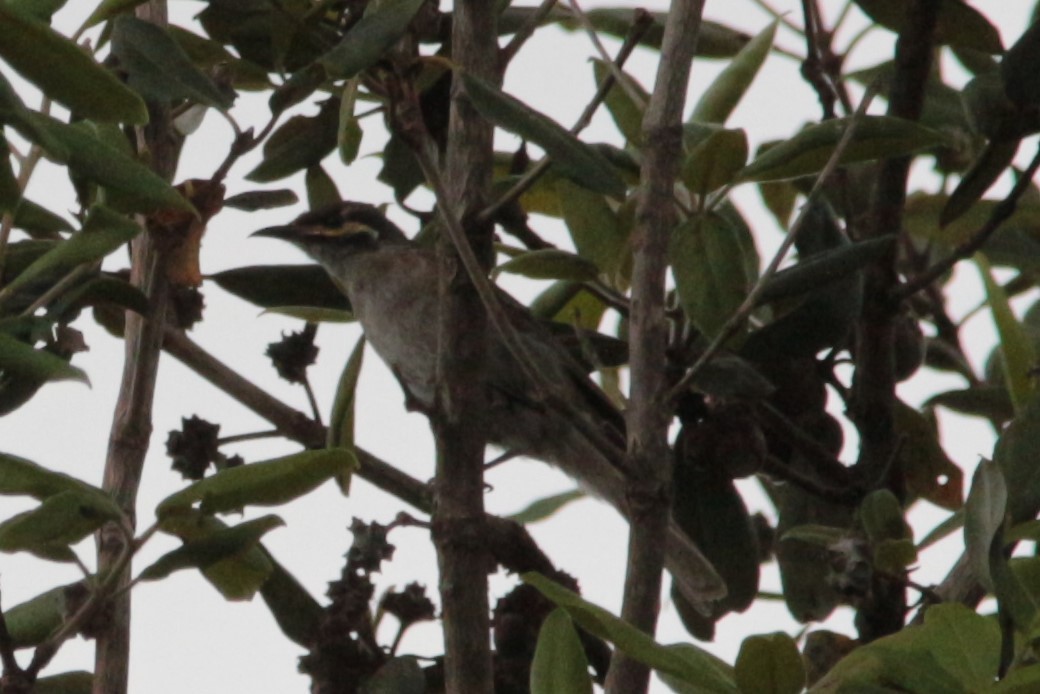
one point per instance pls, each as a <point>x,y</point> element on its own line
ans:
<point>391,282</point>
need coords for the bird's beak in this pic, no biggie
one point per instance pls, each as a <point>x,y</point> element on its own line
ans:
<point>285,233</point>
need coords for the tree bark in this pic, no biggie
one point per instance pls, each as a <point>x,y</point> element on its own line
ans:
<point>874,382</point>
<point>132,422</point>
<point>458,518</point>
<point>649,457</point>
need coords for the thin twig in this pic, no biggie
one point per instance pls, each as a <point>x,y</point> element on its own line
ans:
<point>253,436</point>
<point>733,325</point>
<point>812,66</point>
<point>526,30</point>
<point>778,15</point>
<point>615,70</point>
<point>642,24</point>
<point>1000,214</point>
<point>315,410</point>
<point>58,288</point>
<point>291,422</point>
<point>101,593</point>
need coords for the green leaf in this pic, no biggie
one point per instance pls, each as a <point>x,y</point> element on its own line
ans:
<point>928,471</point>
<point>297,613</point>
<point>882,517</point>
<point>349,135</point>
<point>779,197</point>
<point>341,420</point>
<point>984,516</point>
<point>953,523</point>
<point>710,511</point>
<point>715,161</point>
<point>21,360</point>
<point>626,111</point>
<point>400,675</point>
<point>876,137</point>
<point>575,159</point>
<point>79,682</point>
<point>545,507</point>
<point>714,41</point>
<point>300,85</point>
<point>1015,453</point>
<point>769,664</point>
<point>594,227</point>
<point>991,402</point>
<point>65,72</point>
<point>820,535</point>
<point>236,576</point>
<point>22,119</point>
<point>559,663</point>
<point>208,54</point>
<point>964,643</point>
<point>990,165</point>
<point>107,9</point>
<point>321,189</point>
<point>207,551</point>
<point>270,286</point>
<point>1017,350</point>
<point>91,157</point>
<point>103,232</point>
<point>31,622</point>
<point>158,68</point>
<point>366,42</point>
<point>1029,530</point>
<point>707,257</point>
<point>267,483</point>
<point>824,268</point>
<point>689,665</point>
<point>299,143</point>
<point>1025,680</point>
<point>902,662</point>
<point>40,9</point>
<point>959,24</point>
<point>1018,68</point>
<point>59,521</point>
<point>550,264</point>
<point>22,477</point>
<point>262,200</point>
<point>312,314</point>
<point>725,92</point>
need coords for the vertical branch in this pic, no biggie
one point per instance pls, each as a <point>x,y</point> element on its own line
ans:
<point>650,460</point>
<point>132,421</point>
<point>458,525</point>
<point>874,382</point>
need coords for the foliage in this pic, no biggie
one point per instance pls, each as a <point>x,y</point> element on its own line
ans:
<point>760,355</point>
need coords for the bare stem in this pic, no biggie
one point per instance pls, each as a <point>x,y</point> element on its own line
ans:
<point>525,32</point>
<point>1000,214</point>
<point>649,459</point>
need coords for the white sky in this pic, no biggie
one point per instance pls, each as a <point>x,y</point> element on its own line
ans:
<point>186,637</point>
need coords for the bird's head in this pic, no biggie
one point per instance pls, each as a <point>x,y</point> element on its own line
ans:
<point>338,230</point>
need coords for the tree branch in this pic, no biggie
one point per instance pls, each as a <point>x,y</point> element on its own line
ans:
<point>132,422</point>
<point>291,422</point>
<point>1001,213</point>
<point>458,519</point>
<point>649,457</point>
<point>873,401</point>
